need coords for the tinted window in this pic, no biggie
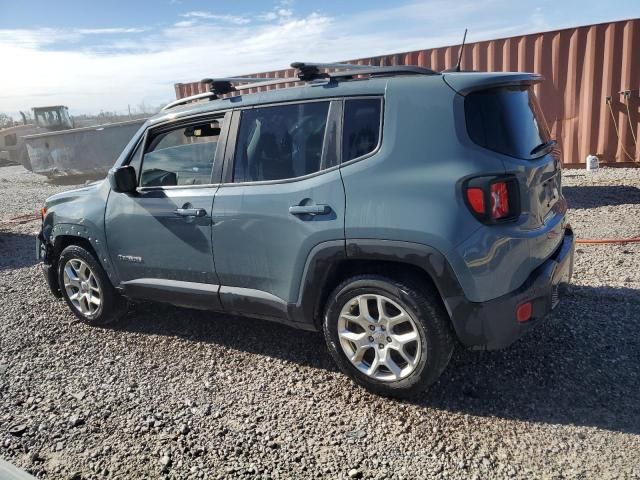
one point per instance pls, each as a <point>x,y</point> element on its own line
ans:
<point>280,142</point>
<point>183,156</point>
<point>361,127</point>
<point>506,120</point>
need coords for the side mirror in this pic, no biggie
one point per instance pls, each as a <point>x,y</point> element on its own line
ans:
<point>123,179</point>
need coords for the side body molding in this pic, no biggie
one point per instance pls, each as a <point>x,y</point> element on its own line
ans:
<point>201,296</point>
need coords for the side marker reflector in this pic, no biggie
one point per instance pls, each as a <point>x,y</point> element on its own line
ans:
<point>523,312</point>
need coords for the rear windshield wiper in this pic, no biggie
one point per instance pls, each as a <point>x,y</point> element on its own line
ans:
<point>544,146</point>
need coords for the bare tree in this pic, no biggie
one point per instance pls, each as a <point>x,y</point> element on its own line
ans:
<point>6,121</point>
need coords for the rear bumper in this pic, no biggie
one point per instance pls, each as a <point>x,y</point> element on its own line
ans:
<point>498,316</point>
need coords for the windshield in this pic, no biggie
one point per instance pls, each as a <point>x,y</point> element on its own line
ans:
<point>507,120</point>
<point>48,118</point>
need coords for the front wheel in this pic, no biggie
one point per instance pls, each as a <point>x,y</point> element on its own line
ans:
<point>86,288</point>
<point>391,337</point>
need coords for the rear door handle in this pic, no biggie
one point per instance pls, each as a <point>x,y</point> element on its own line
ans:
<point>190,212</point>
<point>315,209</point>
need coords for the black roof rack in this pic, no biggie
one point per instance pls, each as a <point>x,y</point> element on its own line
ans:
<point>312,71</point>
<point>306,72</point>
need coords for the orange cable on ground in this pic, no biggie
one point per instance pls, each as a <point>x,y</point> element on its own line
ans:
<point>29,217</point>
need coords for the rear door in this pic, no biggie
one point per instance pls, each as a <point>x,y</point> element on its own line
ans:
<point>282,195</point>
<point>159,238</point>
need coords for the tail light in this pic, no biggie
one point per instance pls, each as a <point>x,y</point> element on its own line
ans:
<point>475,197</point>
<point>499,200</point>
<point>493,199</point>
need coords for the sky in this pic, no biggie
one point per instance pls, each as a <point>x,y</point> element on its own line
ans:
<point>108,55</point>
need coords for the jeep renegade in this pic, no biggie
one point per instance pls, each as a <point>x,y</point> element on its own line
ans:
<point>397,210</point>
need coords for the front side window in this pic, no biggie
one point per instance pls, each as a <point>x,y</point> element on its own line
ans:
<point>361,127</point>
<point>183,156</point>
<point>280,142</point>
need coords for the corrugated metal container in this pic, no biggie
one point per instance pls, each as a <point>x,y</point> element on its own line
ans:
<point>583,67</point>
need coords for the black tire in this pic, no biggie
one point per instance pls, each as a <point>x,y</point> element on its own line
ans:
<point>112,305</point>
<point>431,322</point>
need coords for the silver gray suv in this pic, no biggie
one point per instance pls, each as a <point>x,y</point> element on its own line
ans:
<point>397,210</point>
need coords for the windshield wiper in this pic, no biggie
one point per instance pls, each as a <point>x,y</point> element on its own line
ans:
<point>543,146</point>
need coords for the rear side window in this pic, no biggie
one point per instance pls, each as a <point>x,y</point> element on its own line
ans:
<point>361,127</point>
<point>507,120</point>
<point>183,156</point>
<point>280,142</point>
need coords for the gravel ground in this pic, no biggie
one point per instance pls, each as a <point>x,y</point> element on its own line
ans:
<point>183,394</point>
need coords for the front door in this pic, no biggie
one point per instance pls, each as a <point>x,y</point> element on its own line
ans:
<point>282,196</point>
<point>159,238</point>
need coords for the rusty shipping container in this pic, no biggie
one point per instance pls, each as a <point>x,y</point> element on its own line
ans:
<point>587,71</point>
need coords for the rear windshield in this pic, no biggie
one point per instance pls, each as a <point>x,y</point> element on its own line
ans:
<point>507,120</point>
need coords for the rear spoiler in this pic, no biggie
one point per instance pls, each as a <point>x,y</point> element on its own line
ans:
<point>465,82</point>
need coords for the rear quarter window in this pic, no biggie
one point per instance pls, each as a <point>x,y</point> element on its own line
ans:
<point>506,120</point>
<point>361,127</point>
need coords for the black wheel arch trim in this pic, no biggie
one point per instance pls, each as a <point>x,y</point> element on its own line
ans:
<point>325,257</point>
<point>436,266</point>
<point>317,270</point>
<point>53,236</point>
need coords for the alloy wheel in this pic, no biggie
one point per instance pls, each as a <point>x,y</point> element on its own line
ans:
<point>379,337</point>
<point>82,287</point>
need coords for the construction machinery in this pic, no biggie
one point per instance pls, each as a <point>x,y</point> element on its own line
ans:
<point>52,146</point>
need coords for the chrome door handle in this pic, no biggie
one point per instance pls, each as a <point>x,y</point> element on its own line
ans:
<point>316,209</point>
<point>190,212</point>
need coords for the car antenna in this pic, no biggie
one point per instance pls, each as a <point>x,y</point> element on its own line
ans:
<point>457,67</point>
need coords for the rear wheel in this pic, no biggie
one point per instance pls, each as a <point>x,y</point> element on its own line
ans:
<point>86,288</point>
<point>391,337</point>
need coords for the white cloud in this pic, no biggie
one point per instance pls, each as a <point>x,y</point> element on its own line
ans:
<point>107,31</point>
<point>185,23</point>
<point>36,38</point>
<point>233,19</point>
<point>269,16</point>
<point>143,64</point>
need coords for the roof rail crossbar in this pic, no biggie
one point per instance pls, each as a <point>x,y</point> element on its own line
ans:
<point>382,71</point>
<point>225,85</point>
<point>307,72</point>
<point>351,66</point>
<point>186,100</point>
<point>267,82</point>
<point>311,71</point>
<point>239,79</point>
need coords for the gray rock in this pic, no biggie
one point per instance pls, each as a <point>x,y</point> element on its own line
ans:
<point>75,421</point>
<point>560,402</point>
